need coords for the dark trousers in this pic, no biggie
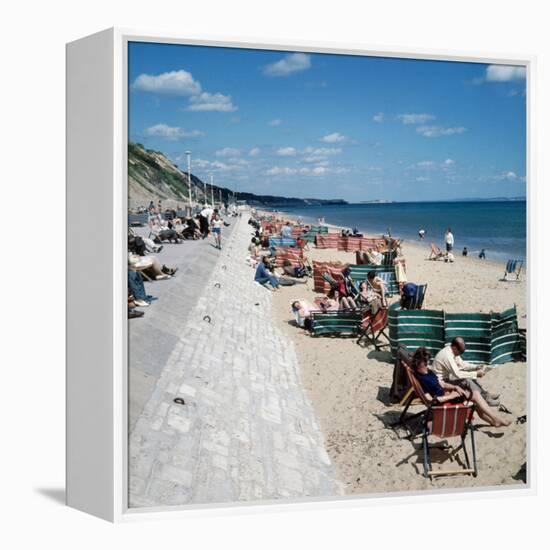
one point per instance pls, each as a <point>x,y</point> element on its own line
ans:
<point>136,286</point>
<point>203,223</point>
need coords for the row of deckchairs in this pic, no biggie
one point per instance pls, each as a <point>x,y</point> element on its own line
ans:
<point>348,244</point>
<point>358,273</point>
<point>491,338</point>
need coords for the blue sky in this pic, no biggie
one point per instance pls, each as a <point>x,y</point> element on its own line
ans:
<point>332,126</point>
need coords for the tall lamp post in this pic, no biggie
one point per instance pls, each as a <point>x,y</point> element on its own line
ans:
<point>188,153</point>
<point>212,189</point>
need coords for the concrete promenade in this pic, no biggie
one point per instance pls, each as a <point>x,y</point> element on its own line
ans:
<point>247,430</point>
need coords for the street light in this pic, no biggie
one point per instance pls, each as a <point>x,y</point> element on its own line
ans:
<point>212,189</point>
<point>188,153</point>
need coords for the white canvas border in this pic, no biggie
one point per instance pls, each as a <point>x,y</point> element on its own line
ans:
<point>119,211</point>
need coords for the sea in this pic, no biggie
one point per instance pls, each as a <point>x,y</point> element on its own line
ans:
<point>499,227</point>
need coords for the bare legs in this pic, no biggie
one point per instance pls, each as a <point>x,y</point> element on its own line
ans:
<point>485,412</point>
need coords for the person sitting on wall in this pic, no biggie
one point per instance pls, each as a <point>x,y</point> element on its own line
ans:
<point>263,275</point>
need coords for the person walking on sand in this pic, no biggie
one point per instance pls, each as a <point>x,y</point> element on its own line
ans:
<point>449,366</point>
<point>217,230</point>
<point>482,254</point>
<point>465,251</point>
<point>449,240</point>
<point>421,233</point>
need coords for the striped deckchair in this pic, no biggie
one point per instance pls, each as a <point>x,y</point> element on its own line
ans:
<point>475,328</point>
<point>320,268</point>
<point>385,272</point>
<point>415,328</point>
<point>373,327</point>
<point>506,340</point>
<point>513,267</point>
<point>335,323</point>
<point>418,300</point>
<point>281,241</point>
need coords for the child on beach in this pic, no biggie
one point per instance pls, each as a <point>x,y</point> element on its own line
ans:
<point>217,230</point>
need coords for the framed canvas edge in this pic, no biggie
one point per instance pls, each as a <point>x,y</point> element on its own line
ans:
<point>122,513</point>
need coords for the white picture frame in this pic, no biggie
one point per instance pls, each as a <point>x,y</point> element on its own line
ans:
<point>97,451</point>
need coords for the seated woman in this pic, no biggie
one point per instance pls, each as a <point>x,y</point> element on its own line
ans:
<point>368,299</point>
<point>302,312</point>
<point>379,286</point>
<point>263,275</point>
<point>444,392</point>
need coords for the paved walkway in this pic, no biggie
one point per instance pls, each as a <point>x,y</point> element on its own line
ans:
<point>247,430</point>
<point>153,338</point>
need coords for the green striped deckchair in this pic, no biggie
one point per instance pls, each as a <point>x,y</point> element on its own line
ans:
<point>506,340</point>
<point>413,328</point>
<point>386,272</point>
<point>475,328</point>
<point>337,323</point>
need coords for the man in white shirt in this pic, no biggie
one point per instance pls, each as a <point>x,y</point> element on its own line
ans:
<point>286,231</point>
<point>204,220</point>
<point>449,240</point>
<point>449,366</point>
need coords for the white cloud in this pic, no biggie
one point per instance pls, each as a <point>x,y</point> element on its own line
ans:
<point>179,83</point>
<point>170,132</point>
<point>504,73</point>
<point>422,179</point>
<point>182,83</point>
<point>509,176</point>
<point>323,151</point>
<point>211,102</point>
<point>436,131</point>
<point>254,152</point>
<point>228,152</point>
<point>378,117</point>
<point>334,138</point>
<point>275,122</point>
<point>425,163</point>
<point>289,64</point>
<point>281,170</point>
<point>415,118</point>
<point>286,152</point>
<point>448,162</point>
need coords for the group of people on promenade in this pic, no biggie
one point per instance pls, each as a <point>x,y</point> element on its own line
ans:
<point>164,227</point>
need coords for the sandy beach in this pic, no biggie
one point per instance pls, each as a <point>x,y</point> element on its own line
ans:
<point>349,384</point>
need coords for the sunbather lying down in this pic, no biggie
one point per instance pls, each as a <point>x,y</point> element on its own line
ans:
<point>150,266</point>
<point>445,392</point>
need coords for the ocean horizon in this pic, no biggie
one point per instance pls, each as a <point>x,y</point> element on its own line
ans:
<point>499,227</point>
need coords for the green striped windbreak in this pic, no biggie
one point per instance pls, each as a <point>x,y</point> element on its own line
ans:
<point>475,328</point>
<point>387,272</point>
<point>341,323</point>
<point>506,341</point>
<point>491,338</point>
<point>415,328</point>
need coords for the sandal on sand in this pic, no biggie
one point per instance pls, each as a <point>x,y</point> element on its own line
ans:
<point>521,419</point>
<point>504,409</point>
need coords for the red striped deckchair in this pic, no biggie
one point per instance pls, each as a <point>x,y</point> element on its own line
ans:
<point>373,327</point>
<point>333,268</point>
<point>444,421</point>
